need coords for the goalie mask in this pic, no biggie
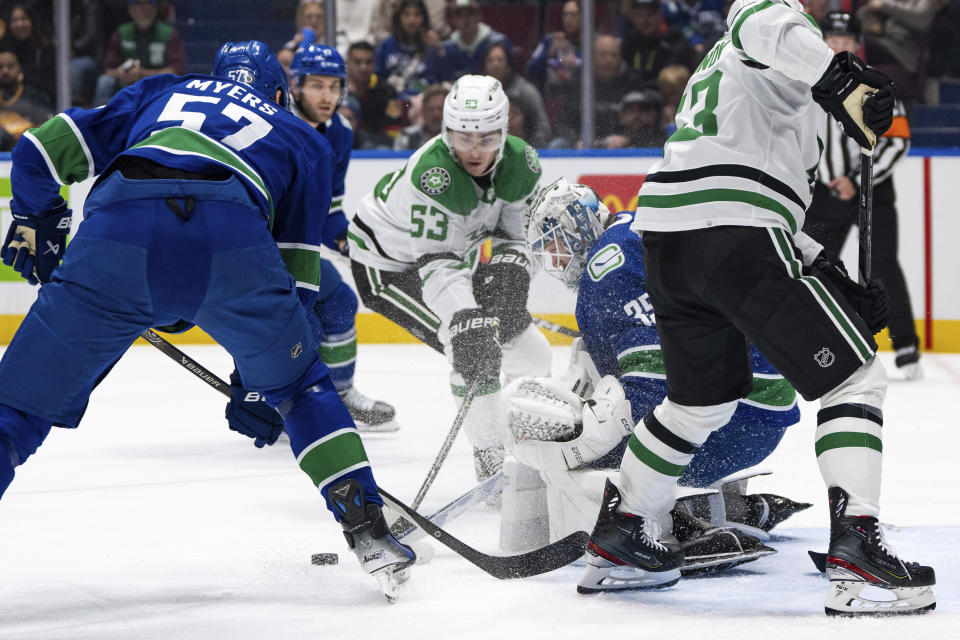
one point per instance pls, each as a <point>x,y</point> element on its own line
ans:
<point>562,227</point>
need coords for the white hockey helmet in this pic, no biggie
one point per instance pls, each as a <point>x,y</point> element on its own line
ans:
<point>476,104</point>
<point>562,226</point>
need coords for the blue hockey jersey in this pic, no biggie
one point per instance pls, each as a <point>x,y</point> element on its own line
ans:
<point>193,123</point>
<point>339,134</point>
<point>619,331</point>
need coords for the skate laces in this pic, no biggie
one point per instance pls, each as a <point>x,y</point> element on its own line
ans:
<point>652,531</point>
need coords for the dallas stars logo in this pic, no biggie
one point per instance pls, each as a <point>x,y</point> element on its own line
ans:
<point>435,181</point>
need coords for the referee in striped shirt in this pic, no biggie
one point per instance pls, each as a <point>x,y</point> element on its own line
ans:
<point>834,208</point>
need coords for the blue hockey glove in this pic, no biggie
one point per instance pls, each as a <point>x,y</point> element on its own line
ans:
<point>249,414</point>
<point>35,243</point>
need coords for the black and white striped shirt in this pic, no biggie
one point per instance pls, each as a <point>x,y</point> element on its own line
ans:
<point>841,155</point>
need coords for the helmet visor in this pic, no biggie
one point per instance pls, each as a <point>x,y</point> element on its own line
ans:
<point>481,141</point>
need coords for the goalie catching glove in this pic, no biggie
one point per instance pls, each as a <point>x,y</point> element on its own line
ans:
<point>35,243</point>
<point>859,97</point>
<point>551,428</point>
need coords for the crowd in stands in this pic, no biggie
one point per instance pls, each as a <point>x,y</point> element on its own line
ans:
<point>403,56</point>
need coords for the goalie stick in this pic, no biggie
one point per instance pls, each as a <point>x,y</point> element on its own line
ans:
<point>543,323</point>
<point>533,563</point>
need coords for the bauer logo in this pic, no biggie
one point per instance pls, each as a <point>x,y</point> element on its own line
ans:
<point>824,357</point>
<point>435,181</point>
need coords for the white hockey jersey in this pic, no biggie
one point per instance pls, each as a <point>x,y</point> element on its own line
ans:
<point>747,146</point>
<point>432,216</point>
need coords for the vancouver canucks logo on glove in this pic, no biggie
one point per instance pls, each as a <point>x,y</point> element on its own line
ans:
<point>435,181</point>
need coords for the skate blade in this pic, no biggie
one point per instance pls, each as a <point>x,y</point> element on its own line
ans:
<point>854,598</point>
<point>694,565</point>
<point>601,575</point>
<point>384,427</point>
<point>391,579</point>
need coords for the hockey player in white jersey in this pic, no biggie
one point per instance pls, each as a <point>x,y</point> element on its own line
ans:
<point>438,248</point>
<point>720,217</point>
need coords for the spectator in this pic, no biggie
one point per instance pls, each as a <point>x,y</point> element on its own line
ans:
<point>639,118</point>
<point>499,64</point>
<point>472,37</point>
<point>413,55</point>
<point>896,41</point>
<point>310,23</point>
<point>143,47</point>
<point>944,49</point>
<point>35,53</point>
<point>86,39</point>
<point>379,19</point>
<point>379,110</point>
<point>556,60</point>
<point>671,82</point>
<point>21,106</point>
<point>702,22</point>
<point>647,44</point>
<point>416,135</point>
<point>612,80</point>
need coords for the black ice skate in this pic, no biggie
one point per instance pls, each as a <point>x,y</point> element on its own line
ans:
<point>707,549</point>
<point>624,552</point>
<point>866,576</point>
<point>371,416</point>
<point>368,535</point>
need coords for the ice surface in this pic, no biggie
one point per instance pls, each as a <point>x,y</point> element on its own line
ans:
<point>153,520</point>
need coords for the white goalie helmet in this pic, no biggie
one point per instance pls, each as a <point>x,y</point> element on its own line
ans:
<point>476,104</point>
<point>562,226</point>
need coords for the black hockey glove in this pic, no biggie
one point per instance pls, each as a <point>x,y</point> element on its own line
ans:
<point>249,414</point>
<point>501,288</point>
<point>842,90</point>
<point>870,301</point>
<point>476,352</point>
<point>35,243</point>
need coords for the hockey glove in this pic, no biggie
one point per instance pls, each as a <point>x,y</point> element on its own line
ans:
<point>35,243</point>
<point>842,91</point>
<point>501,287</point>
<point>870,302</point>
<point>476,352</point>
<point>249,414</point>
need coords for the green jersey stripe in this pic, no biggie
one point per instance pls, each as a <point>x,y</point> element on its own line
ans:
<point>718,195</point>
<point>840,318</point>
<point>772,392</point>
<point>63,149</point>
<point>303,265</point>
<point>646,361</point>
<point>485,389</point>
<point>786,252</point>
<point>735,30</point>
<point>332,454</point>
<point>652,460</point>
<point>183,141</point>
<point>402,300</point>
<point>358,240</point>
<point>842,439</point>
<point>338,355</point>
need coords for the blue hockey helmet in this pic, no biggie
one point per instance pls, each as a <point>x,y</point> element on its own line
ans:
<point>254,64</point>
<point>312,59</point>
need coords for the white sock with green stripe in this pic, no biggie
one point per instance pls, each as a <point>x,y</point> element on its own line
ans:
<point>849,447</point>
<point>849,442</point>
<point>658,452</point>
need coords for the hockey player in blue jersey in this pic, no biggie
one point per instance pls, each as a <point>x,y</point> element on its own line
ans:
<point>208,209</point>
<point>318,82</point>
<point>617,367</point>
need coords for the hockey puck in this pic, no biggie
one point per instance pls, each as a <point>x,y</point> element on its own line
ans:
<point>324,558</point>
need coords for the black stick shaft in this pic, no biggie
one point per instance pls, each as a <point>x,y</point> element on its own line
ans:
<point>543,323</point>
<point>866,216</point>
<point>185,361</point>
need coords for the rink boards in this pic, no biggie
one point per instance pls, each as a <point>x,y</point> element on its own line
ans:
<point>927,188</point>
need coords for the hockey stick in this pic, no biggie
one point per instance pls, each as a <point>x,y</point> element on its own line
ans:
<point>553,556</point>
<point>405,530</point>
<point>447,444</point>
<point>865,222</point>
<point>556,328</point>
<point>185,361</point>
